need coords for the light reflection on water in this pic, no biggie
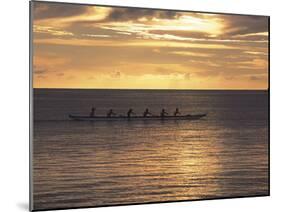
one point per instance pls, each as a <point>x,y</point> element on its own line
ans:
<point>80,164</point>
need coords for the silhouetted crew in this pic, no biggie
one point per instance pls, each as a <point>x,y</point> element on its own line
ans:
<point>130,112</point>
<point>177,112</point>
<point>146,113</point>
<point>110,113</point>
<point>93,111</point>
<point>163,113</point>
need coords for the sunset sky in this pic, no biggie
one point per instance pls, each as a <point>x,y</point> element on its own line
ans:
<point>78,46</point>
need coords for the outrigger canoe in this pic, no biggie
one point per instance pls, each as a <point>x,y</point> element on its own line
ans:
<point>125,118</point>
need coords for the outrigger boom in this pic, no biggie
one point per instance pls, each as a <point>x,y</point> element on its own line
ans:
<point>125,118</point>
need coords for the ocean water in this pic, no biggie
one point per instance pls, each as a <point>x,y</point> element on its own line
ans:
<point>84,164</point>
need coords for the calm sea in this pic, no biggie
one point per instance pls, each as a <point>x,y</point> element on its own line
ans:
<point>81,164</point>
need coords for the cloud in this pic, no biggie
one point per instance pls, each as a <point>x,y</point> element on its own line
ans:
<point>258,78</point>
<point>255,53</point>
<point>135,43</point>
<point>39,70</point>
<point>171,72</point>
<point>96,36</point>
<point>116,75</point>
<point>150,45</point>
<point>259,36</point>
<point>60,74</point>
<point>229,77</point>
<point>56,10</point>
<point>147,24</point>
<point>182,33</point>
<point>208,73</point>
<point>243,24</point>
<point>91,78</point>
<point>191,54</point>
<point>132,14</point>
<point>51,31</point>
<point>41,76</point>
<point>163,71</point>
<point>71,77</point>
<point>187,76</point>
<point>167,71</point>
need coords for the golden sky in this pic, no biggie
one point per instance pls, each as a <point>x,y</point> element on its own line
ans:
<point>78,46</point>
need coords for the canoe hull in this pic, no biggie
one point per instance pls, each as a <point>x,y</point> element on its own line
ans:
<point>135,118</point>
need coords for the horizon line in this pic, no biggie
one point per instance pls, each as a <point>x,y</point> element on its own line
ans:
<point>172,89</point>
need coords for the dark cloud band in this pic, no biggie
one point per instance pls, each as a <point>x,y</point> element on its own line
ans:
<point>56,10</point>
